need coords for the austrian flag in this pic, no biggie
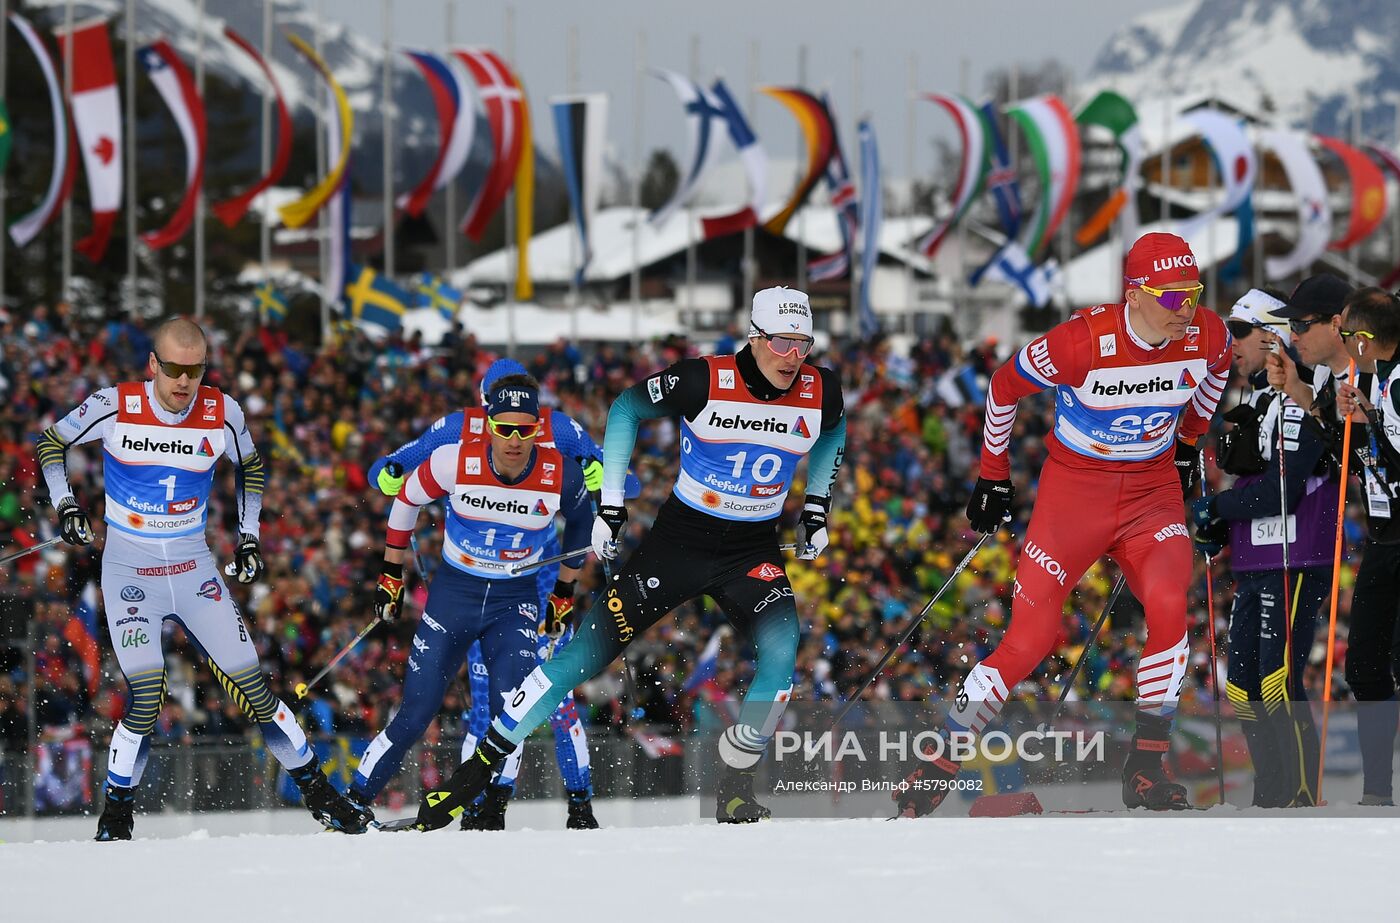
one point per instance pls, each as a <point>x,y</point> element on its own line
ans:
<point>97,118</point>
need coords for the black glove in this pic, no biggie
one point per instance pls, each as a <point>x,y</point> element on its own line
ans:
<point>248,558</point>
<point>1212,532</point>
<point>606,529</point>
<point>990,505</point>
<point>811,532</point>
<point>1188,466</point>
<point>559,609</point>
<point>388,592</point>
<point>73,523</point>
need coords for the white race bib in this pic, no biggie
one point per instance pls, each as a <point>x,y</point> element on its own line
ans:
<point>1268,531</point>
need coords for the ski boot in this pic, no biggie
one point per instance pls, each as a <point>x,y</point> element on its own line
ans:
<point>441,805</point>
<point>581,811</point>
<point>116,820</point>
<point>734,798</point>
<point>925,785</point>
<point>330,807</point>
<point>489,811</point>
<point>1145,780</point>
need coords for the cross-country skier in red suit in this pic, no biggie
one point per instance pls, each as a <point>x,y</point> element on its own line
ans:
<point>1135,384</point>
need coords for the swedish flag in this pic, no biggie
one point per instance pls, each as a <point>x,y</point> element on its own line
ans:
<point>272,304</point>
<point>432,292</point>
<point>375,300</point>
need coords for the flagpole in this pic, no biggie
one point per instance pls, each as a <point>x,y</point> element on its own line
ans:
<point>199,193</point>
<point>638,64</point>
<point>511,269</point>
<point>802,211</point>
<point>910,117</point>
<point>1064,248</point>
<point>572,63</point>
<point>1395,210</point>
<point>67,260</point>
<point>1213,280</point>
<point>265,227</point>
<point>132,241</point>
<point>322,218</point>
<point>959,287</point>
<point>857,265</point>
<point>690,255</point>
<point>4,60</point>
<point>1354,254</point>
<point>449,223</point>
<point>388,123</point>
<point>748,268</point>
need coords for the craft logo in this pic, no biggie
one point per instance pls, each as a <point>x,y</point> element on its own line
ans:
<point>767,572</point>
<point>210,589</point>
<point>133,594</point>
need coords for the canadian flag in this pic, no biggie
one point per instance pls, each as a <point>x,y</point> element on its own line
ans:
<point>97,118</point>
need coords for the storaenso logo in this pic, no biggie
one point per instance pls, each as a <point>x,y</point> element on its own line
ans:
<point>145,444</point>
<point>495,506</point>
<point>766,425</point>
<point>1132,387</point>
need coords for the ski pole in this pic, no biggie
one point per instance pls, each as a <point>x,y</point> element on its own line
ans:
<point>1084,654</point>
<point>417,558</point>
<point>28,551</point>
<point>1336,587</point>
<point>516,570</point>
<point>303,688</point>
<point>913,625</point>
<point>1210,636</point>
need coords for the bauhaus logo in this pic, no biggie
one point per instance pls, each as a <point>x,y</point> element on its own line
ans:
<point>1118,388</point>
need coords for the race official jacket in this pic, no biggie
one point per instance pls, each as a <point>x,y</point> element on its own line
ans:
<point>1253,507</point>
<point>493,524</point>
<point>1375,448</point>
<point>158,467</point>
<point>1118,399</point>
<point>740,437</point>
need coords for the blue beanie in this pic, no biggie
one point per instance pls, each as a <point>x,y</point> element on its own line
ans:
<point>499,369</point>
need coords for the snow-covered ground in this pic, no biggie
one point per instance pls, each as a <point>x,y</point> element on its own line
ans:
<point>656,860</point>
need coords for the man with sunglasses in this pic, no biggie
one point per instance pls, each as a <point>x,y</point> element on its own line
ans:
<point>161,440</point>
<point>504,493</point>
<point>1369,326</point>
<point>1281,577</point>
<point>1135,384</point>
<point>570,738</point>
<point>745,423</point>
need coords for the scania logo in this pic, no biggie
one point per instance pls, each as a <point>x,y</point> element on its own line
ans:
<point>1132,387</point>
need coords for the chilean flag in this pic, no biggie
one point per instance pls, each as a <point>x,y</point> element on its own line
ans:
<point>97,118</point>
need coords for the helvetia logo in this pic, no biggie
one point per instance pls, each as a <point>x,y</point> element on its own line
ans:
<point>765,425</point>
<point>800,429</point>
<point>1132,387</point>
<point>495,506</point>
<point>205,449</point>
<point>1186,382</point>
<point>540,508</point>
<point>145,444</point>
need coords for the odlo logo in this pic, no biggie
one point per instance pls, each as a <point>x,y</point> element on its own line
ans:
<point>134,637</point>
<point>1048,564</point>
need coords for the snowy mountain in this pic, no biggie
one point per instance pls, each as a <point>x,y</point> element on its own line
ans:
<point>1307,61</point>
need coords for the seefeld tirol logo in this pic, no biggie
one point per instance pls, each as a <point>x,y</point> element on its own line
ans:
<point>797,428</point>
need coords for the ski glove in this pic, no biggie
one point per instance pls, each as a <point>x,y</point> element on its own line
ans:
<point>811,529</point>
<point>391,478</point>
<point>607,528</point>
<point>388,593</point>
<point>559,610</point>
<point>592,474</point>
<point>73,523</point>
<point>248,561</point>
<point>1212,532</point>
<point>1187,461</point>
<point>990,505</point>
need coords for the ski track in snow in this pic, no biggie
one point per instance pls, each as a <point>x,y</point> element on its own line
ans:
<point>1163,868</point>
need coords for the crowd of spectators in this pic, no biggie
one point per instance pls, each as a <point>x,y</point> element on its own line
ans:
<point>321,417</point>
